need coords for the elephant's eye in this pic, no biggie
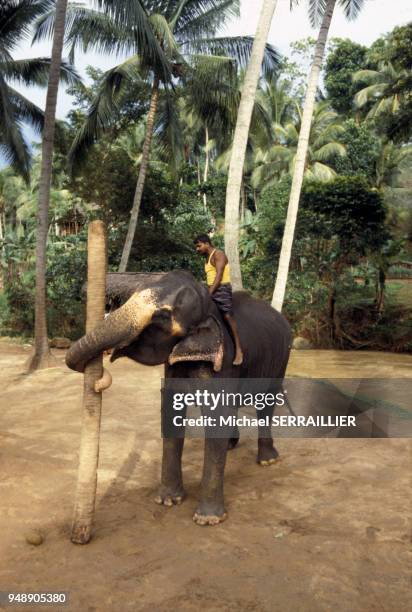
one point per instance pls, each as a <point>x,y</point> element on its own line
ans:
<point>161,316</point>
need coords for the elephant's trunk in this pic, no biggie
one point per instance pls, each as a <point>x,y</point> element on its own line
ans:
<point>116,331</point>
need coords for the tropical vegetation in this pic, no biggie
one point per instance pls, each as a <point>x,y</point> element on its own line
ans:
<point>149,145</point>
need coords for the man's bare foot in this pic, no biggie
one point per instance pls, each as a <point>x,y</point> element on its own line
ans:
<point>238,357</point>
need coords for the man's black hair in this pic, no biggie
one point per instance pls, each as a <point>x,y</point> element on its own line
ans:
<point>202,238</point>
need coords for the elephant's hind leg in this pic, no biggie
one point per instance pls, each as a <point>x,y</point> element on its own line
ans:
<point>267,453</point>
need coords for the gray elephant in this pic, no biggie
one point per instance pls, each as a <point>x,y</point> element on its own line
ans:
<point>170,319</point>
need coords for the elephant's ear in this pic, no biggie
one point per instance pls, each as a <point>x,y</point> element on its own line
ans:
<point>203,343</point>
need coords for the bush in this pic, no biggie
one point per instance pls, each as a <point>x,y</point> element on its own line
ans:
<point>65,275</point>
<point>18,298</point>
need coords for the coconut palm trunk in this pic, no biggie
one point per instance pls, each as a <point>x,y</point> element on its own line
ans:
<point>207,162</point>
<point>41,357</point>
<point>240,139</point>
<point>92,401</point>
<point>300,159</point>
<point>154,100</point>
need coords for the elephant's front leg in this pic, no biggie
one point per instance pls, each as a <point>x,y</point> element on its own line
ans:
<point>171,489</point>
<point>211,510</point>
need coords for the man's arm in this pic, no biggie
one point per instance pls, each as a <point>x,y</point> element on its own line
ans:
<point>220,263</point>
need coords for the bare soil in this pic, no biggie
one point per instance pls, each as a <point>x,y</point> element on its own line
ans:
<point>326,528</point>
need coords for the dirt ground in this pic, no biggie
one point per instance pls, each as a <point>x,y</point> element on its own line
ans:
<point>326,528</point>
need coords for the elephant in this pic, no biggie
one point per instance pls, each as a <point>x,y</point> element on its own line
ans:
<point>170,318</point>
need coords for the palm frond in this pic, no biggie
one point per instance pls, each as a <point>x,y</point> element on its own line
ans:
<point>164,33</point>
<point>212,90</point>
<point>265,176</point>
<point>12,144</point>
<point>369,76</point>
<point>320,172</point>
<point>236,47</point>
<point>117,27</point>
<point>168,132</point>
<point>133,17</point>
<point>292,133</point>
<point>327,133</point>
<point>368,93</point>
<point>204,19</point>
<point>87,29</point>
<point>316,9</point>
<point>36,72</point>
<point>103,109</point>
<point>280,131</point>
<point>26,111</point>
<point>330,150</point>
<point>351,8</point>
<point>16,19</point>
<point>261,120</point>
<point>384,105</point>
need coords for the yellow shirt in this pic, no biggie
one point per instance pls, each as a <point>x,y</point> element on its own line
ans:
<point>211,272</point>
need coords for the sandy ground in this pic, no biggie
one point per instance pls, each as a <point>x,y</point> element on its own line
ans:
<point>326,528</point>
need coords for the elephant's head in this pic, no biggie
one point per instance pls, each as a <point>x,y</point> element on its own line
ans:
<point>167,318</point>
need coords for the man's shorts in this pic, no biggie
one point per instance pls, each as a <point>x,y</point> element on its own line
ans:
<point>223,298</point>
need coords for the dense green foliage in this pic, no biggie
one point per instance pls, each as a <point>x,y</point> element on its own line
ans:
<point>345,58</point>
<point>362,151</point>
<point>354,228</point>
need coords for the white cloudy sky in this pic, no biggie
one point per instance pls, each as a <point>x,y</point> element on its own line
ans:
<point>377,17</point>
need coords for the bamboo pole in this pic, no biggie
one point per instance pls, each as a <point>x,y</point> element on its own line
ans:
<point>92,401</point>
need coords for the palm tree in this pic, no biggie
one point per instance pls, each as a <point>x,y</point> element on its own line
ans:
<point>277,101</point>
<point>16,19</point>
<point>179,42</point>
<point>389,164</point>
<point>42,357</point>
<point>61,202</point>
<point>275,150</point>
<point>240,140</point>
<point>385,89</point>
<point>318,9</point>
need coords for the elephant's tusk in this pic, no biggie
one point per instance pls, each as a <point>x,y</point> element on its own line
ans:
<point>104,382</point>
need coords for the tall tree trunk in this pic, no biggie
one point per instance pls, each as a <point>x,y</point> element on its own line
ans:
<point>300,160</point>
<point>332,312</point>
<point>42,357</point>
<point>2,233</point>
<point>92,400</point>
<point>142,176</point>
<point>242,201</point>
<point>381,290</point>
<point>240,139</point>
<point>207,161</point>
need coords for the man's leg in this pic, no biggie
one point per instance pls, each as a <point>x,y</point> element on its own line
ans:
<point>238,349</point>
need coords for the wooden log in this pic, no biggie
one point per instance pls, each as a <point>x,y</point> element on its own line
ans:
<point>92,401</point>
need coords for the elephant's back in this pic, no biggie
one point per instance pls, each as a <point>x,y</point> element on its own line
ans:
<point>265,336</point>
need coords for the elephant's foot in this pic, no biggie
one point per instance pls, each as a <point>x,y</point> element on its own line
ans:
<point>267,454</point>
<point>209,514</point>
<point>167,496</point>
<point>232,443</point>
